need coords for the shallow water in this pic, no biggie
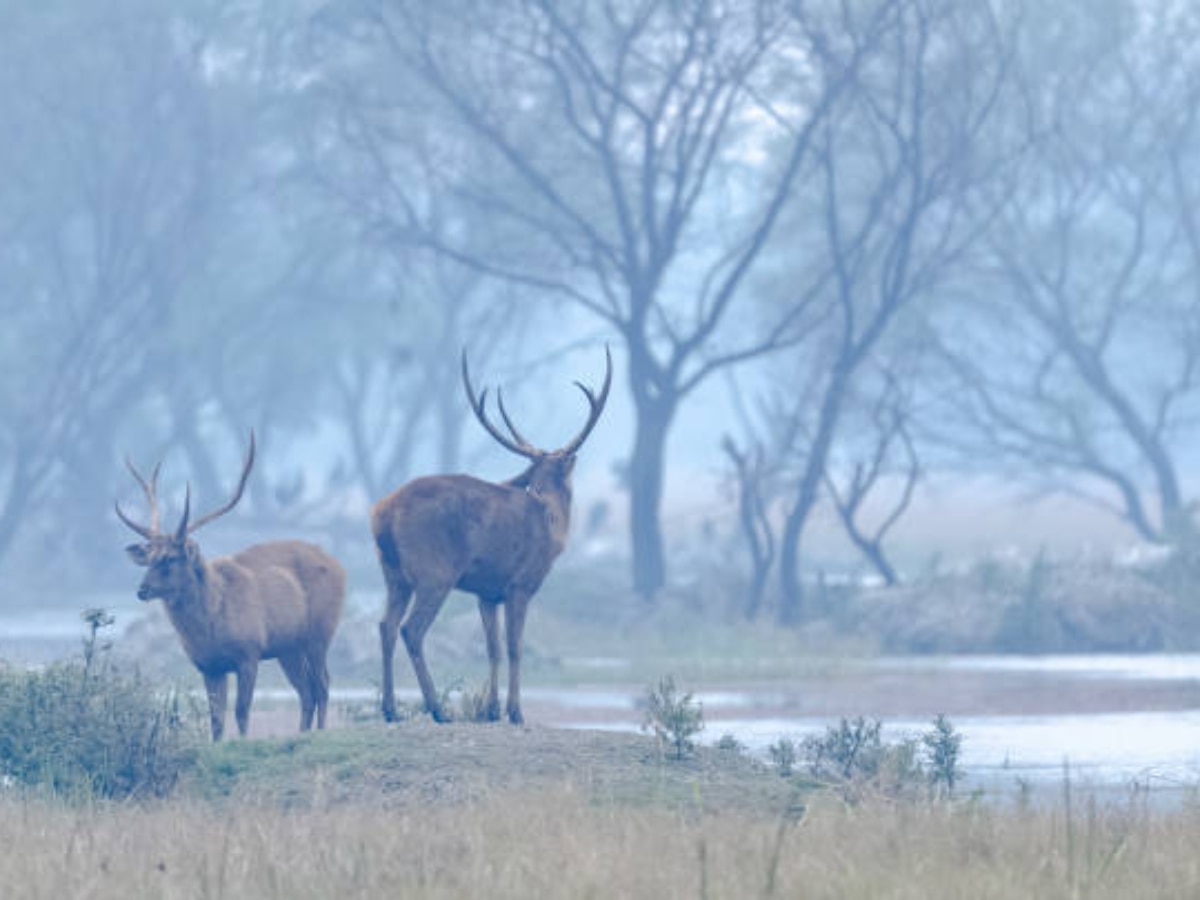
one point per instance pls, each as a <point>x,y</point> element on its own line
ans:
<point>1155,747</point>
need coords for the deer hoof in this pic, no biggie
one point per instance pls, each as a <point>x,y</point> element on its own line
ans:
<point>514,716</point>
<point>439,715</point>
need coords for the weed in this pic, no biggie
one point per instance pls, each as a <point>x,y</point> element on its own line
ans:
<point>473,705</point>
<point>673,718</point>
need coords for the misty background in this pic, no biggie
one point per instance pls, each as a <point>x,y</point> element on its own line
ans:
<point>888,284</point>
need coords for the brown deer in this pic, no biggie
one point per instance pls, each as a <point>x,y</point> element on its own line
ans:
<point>496,541</point>
<point>279,600</point>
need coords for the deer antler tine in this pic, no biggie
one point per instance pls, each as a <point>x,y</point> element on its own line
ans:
<point>140,529</point>
<point>477,407</point>
<point>507,421</point>
<point>149,488</point>
<point>596,403</point>
<point>587,392</point>
<point>182,531</point>
<point>237,494</point>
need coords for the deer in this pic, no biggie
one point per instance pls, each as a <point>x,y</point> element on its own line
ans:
<point>497,541</point>
<point>278,600</point>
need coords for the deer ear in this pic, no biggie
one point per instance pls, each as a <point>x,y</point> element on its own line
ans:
<point>139,554</point>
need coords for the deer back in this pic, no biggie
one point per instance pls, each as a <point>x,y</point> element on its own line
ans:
<point>261,602</point>
<point>456,530</point>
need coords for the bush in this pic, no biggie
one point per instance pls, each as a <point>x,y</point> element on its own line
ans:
<point>675,719</point>
<point>852,750</point>
<point>942,744</point>
<point>853,755</point>
<point>783,755</point>
<point>85,728</point>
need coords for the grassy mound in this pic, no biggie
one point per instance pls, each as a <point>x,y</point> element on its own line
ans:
<point>419,763</point>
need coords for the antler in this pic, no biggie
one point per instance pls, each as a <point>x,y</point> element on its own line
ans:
<point>519,446</point>
<point>150,489</point>
<point>596,403</point>
<point>237,495</point>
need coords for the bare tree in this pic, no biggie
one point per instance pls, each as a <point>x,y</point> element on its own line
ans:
<point>107,197</point>
<point>904,165</point>
<point>1080,367</point>
<point>889,430</point>
<point>594,150</point>
<point>751,473</point>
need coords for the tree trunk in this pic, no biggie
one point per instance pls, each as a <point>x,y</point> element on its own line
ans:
<point>645,493</point>
<point>791,601</point>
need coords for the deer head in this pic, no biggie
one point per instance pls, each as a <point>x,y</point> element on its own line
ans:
<point>549,473</point>
<point>172,560</point>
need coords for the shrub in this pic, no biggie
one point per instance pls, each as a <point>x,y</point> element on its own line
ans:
<point>942,744</point>
<point>853,755</point>
<point>783,755</point>
<point>86,728</point>
<point>673,718</point>
<point>849,751</point>
<point>730,744</point>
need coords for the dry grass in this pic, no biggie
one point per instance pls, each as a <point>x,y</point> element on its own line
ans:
<point>560,843</point>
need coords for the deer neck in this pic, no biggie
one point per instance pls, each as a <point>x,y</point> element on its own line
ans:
<point>557,507</point>
<point>191,608</point>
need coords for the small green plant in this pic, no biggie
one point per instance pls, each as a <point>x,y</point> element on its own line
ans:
<point>783,754</point>
<point>674,718</point>
<point>942,744</point>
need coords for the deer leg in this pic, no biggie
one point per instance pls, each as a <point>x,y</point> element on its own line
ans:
<point>318,671</point>
<point>488,612</point>
<point>247,672</point>
<point>398,597</point>
<point>216,686</point>
<point>295,667</point>
<point>514,626</point>
<point>420,616</point>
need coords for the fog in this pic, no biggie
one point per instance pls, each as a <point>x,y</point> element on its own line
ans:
<point>931,270</point>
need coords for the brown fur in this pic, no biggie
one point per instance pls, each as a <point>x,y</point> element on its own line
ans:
<point>280,600</point>
<point>497,541</point>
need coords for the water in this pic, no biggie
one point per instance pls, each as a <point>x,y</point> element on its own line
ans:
<point>1142,745</point>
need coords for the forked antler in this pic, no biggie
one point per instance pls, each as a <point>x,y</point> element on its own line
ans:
<point>596,404</point>
<point>519,446</point>
<point>517,443</point>
<point>150,488</point>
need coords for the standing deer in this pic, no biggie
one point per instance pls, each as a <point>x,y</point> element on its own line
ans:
<point>279,600</point>
<point>496,541</point>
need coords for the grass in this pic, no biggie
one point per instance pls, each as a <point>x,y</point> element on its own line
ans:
<point>563,842</point>
<point>419,763</point>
